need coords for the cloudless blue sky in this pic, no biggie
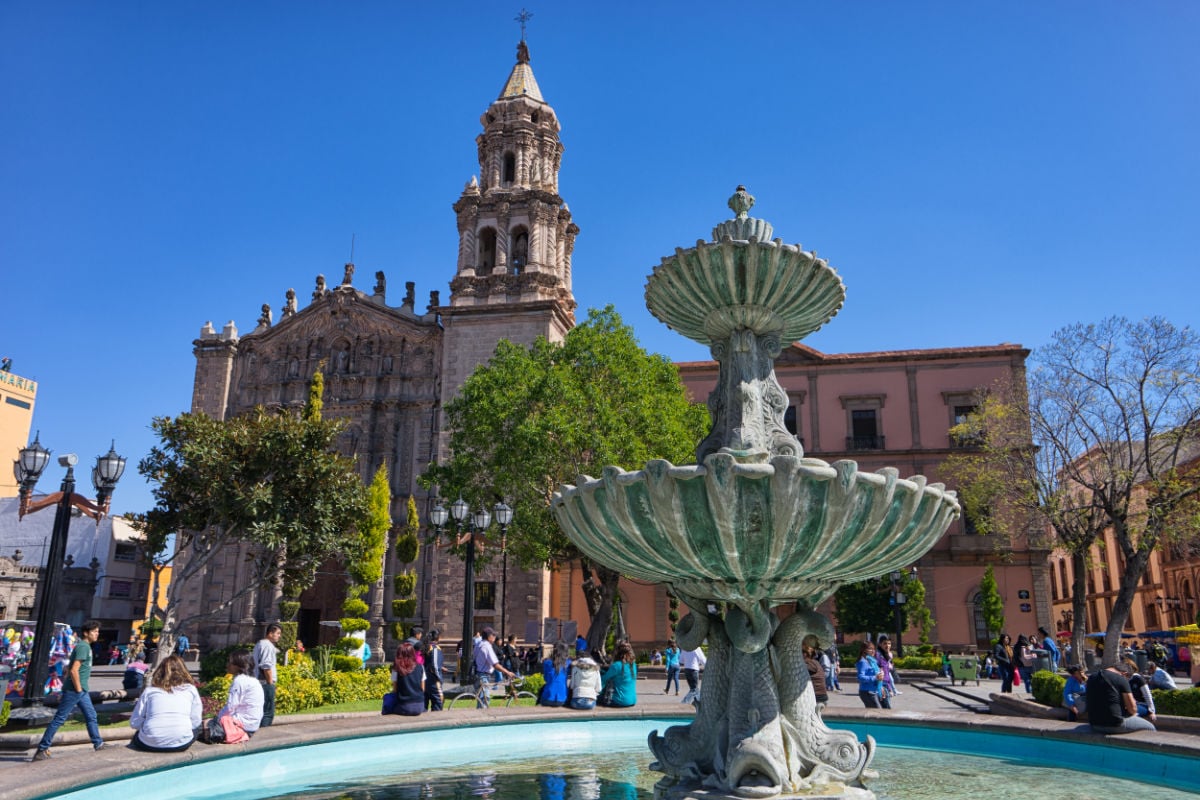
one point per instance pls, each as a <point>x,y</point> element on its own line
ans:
<point>977,172</point>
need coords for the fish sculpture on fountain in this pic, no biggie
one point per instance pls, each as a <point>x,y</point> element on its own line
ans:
<point>753,525</point>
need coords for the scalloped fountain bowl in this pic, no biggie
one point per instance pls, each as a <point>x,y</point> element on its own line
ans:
<point>709,291</point>
<point>788,529</point>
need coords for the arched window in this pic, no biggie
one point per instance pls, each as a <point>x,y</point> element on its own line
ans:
<point>509,174</point>
<point>982,639</point>
<point>1053,585</point>
<point>487,251</point>
<point>519,256</point>
<point>1062,576</point>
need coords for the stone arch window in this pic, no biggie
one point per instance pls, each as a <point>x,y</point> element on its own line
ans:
<point>487,251</point>
<point>1062,576</point>
<point>520,249</point>
<point>508,173</point>
<point>535,117</point>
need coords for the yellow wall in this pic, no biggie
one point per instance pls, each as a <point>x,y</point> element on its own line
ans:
<point>17,397</point>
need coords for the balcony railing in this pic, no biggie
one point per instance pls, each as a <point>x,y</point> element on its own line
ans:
<point>869,442</point>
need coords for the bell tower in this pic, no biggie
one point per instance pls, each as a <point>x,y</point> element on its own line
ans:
<point>513,278</point>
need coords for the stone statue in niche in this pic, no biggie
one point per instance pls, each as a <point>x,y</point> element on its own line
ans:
<point>264,319</point>
<point>319,292</point>
<point>348,276</point>
<point>380,283</point>
<point>289,305</point>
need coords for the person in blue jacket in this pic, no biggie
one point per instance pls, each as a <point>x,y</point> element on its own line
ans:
<point>621,675</point>
<point>671,662</point>
<point>870,678</point>
<point>555,670</point>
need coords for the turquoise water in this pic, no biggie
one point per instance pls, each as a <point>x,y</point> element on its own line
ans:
<point>606,760</point>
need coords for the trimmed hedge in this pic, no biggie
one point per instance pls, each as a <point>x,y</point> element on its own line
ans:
<point>1048,687</point>
<point>297,689</point>
<point>931,663</point>
<point>1179,702</point>
<point>344,687</point>
<point>534,683</point>
<point>4,712</point>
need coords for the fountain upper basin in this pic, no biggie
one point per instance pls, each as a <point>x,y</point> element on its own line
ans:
<point>787,529</point>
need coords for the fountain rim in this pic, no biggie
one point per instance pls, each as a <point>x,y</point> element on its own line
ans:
<point>370,725</point>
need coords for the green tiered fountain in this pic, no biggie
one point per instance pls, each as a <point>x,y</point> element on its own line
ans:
<point>752,526</point>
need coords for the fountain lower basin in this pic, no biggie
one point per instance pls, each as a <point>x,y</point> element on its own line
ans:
<point>365,760</point>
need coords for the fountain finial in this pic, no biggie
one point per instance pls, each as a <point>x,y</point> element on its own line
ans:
<point>741,202</point>
<point>743,227</point>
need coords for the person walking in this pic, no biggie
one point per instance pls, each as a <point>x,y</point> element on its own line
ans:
<point>1051,647</point>
<point>264,656</point>
<point>691,662</point>
<point>1003,653</point>
<point>671,663</point>
<point>1023,662</point>
<point>486,662</point>
<point>75,692</point>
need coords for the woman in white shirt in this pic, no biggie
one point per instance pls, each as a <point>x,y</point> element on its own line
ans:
<point>243,710</point>
<point>167,713</point>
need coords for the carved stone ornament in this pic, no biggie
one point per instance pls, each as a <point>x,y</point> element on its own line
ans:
<point>754,525</point>
<point>289,304</point>
<point>319,292</point>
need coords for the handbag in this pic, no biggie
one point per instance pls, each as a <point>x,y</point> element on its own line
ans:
<point>213,732</point>
<point>1016,677</point>
<point>605,698</point>
<point>389,703</point>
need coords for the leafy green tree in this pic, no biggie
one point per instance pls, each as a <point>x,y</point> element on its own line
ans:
<point>992,603</point>
<point>270,480</point>
<point>864,607</point>
<point>534,418</point>
<point>1105,439</point>
<point>915,609</point>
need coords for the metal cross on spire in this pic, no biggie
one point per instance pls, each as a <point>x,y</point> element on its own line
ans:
<point>522,18</point>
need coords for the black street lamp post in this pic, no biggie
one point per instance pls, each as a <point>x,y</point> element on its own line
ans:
<point>28,469</point>
<point>468,529</point>
<point>898,600</point>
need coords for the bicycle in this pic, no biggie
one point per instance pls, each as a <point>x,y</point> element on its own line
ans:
<point>511,688</point>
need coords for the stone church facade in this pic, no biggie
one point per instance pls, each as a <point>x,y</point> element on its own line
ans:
<point>389,370</point>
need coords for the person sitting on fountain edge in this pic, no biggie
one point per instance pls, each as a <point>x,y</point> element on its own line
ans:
<point>1110,704</point>
<point>621,675</point>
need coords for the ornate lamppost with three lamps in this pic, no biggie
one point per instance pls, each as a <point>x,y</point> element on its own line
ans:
<point>471,527</point>
<point>28,469</point>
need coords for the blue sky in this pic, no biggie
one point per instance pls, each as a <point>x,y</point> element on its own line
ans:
<point>977,172</point>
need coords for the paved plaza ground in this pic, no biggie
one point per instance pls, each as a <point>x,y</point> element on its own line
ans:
<point>923,700</point>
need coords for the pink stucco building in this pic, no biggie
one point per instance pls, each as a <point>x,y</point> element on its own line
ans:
<point>896,408</point>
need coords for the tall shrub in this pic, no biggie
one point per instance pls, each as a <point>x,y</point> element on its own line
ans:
<point>365,562</point>
<point>404,603</point>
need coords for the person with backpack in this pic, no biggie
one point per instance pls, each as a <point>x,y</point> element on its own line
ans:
<point>434,661</point>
